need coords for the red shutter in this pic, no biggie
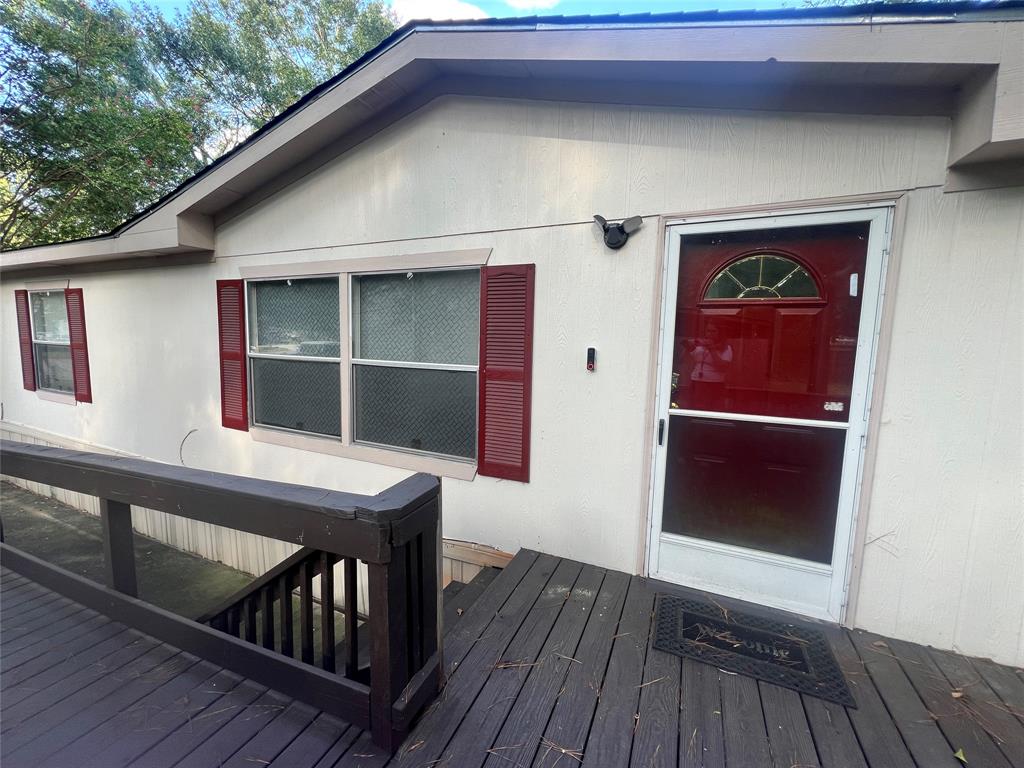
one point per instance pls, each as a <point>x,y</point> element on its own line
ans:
<point>79,345</point>
<point>28,364</point>
<point>234,411</point>
<point>506,370</point>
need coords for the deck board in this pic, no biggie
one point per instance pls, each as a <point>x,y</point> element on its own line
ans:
<point>551,664</point>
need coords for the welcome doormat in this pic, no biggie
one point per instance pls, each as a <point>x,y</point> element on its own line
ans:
<point>795,656</point>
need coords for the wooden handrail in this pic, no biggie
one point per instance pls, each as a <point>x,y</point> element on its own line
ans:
<point>395,533</point>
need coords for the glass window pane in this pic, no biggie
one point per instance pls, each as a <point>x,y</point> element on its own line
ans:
<point>53,367</point>
<point>764,276</point>
<point>295,317</point>
<point>420,317</point>
<point>50,317</point>
<point>297,394</point>
<point>769,487</point>
<point>425,410</point>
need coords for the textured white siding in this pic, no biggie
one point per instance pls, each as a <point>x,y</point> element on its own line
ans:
<point>524,178</point>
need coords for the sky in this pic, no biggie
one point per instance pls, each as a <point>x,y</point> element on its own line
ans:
<point>475,9</point>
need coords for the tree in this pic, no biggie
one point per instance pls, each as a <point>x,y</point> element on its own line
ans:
<point>104,111</point>
<point>247,60</point>
<point>88,136</point>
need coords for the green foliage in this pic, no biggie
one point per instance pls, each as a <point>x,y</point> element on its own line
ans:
<point>86,135</point>
<point>103,110</point>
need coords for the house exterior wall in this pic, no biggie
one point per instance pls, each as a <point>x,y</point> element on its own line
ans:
<point>944,529</point>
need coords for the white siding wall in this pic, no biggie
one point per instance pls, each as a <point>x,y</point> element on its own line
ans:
<point>524,178</point>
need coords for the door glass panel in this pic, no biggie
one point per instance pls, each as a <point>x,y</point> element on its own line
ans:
<point>765,323</point>
<point>770,487</point>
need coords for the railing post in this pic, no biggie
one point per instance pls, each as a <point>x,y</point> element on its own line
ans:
<point>118,546</point>
<point>389,651</point>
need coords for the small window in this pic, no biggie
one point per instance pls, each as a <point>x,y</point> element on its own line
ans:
<point>51,341</point>
<point>295,354</point>
<point>763,276</point>
<point>415,347</point>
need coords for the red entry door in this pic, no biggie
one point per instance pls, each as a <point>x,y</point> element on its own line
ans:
<point>765,341</point>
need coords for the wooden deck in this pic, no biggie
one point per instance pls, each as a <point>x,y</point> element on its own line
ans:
<point>550,664</point>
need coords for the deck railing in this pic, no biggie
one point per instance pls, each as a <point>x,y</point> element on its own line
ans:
<point>395,534</point>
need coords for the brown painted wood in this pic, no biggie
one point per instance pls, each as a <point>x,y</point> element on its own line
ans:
<point>351,617</point>
<point>93,639</point>
<point>305,578</point>
<point>611,734</point>
<point>270,741</point>
<point>523,728</point>
<point>367,526</point>
<point>789,733</point>
<point>743,720</point>
<point>484,720</point>
<point>1008,685</point>
<point>833,734</point>
<point>213,712</point>
<point>656,735</point>
<point>569,724</point>
<point>961,727</point>
<point>976,702</point>
<point>249,607</point>
<point>476,644</point>
<point>313,744</point>
<point>327,611</point>
<point>389,655</point>
<point>139,728</point>
<point>119,546</point>
<point>877,734</point>
<point>701,737</point>
<point>286,623</point>
<point>923,738</point>
<point>267,616</point>
<point>332,693</point>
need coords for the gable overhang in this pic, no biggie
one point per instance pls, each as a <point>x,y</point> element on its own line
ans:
<point>971,71</point>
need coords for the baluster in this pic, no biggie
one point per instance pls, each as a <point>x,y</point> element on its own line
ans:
<point>118,546</point>
<point>287,628</point>
<point>351,617</point>
<point>389,659</point>
<point>306,610</point>
<point>327,610</point>
<point>267,616</point>
<point>413,577</point>
<point>233,621</point>
<point>220,622</point>
<point>429,590</point>
<point>250,619</point>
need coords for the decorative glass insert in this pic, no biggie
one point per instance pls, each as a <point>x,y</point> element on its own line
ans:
<point>51,341</point>
<point>426,327</point>
<point>415,408</point>
<point>297,394</point>
<point>295,317</point>
<point>420,317</point>
<point>763,276</point>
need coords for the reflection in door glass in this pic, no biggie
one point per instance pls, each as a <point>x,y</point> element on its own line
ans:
<point>766,322</point>
<point>769,487</point>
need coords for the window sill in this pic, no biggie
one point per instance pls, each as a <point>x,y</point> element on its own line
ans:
<point>433,465</point>
<point>56,397</point>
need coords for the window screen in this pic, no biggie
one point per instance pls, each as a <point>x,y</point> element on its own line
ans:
<point>415,349</point>
<point>51,341</point>
<point>295,354</point>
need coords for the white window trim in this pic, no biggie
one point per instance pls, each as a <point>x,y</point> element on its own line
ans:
<point>66,397</point>
<point>346,446</point>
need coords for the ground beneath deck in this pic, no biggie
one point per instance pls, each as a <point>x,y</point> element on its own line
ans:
<point>550,664</point>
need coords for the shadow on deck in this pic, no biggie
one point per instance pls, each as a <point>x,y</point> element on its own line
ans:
<point>549,664</point>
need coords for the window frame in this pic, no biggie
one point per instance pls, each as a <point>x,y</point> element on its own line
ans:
<point>60,393</point>
<point>354,361</point>
<point>250,355</point>
<point>345,445</point>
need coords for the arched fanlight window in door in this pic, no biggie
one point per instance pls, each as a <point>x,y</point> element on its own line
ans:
<point>763,276</point>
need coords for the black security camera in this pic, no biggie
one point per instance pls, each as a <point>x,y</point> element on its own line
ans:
<point>616,235</point>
